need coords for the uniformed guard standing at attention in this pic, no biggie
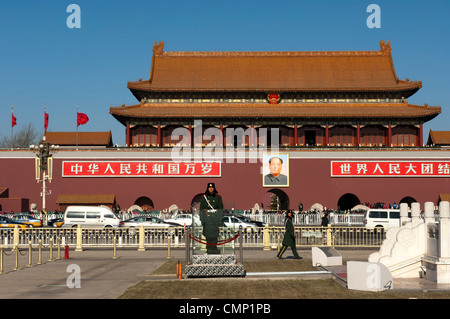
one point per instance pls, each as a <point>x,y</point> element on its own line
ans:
<point>211,217</point>
<point>289,237</point>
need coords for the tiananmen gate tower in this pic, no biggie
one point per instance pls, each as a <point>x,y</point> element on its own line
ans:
<point>339,122</point>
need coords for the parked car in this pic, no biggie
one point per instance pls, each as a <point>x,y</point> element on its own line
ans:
<point>90,216</point>
<point>383,218</point>
<point>237,220</point>
<point>6,222</point>
<point>181,219</point>
<point>146,221</point>
<point>55,222</point>
<point>29,220</point>
<point>249,220</point>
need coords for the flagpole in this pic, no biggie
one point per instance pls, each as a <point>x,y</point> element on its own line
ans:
<point>12,114</point>
<point>77,127</point>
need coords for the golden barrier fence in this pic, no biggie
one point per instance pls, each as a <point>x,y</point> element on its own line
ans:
<point>21,243</point>
<point>268,237</point>
<point>34,256</point>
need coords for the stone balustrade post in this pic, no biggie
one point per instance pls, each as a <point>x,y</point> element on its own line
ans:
<point>430,229</point>
<point>403,214</point>
<point>444,238</point>
<point>415,214</point>
<point>429,213</point>
<point>444,211</point>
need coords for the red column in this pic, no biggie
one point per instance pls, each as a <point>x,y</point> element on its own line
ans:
<point>358,135</point>
<point>190,136</point>
<point>389,136</point>
<point>327,134</point>
<point>221,135</point>
<point>295,135</point>
<point>128,136</point>
<point>421,135</point>
<point>158,137</point>
<point>252,135</point>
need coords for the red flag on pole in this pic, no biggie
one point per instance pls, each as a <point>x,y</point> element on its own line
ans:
<point>14,120</point>
<point>82,119</point>
<point>45,120</point>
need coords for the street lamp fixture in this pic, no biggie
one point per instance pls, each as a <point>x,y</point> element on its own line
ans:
<point>44,166</point>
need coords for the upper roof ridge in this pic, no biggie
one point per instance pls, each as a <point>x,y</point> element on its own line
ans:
<point>158,50</point>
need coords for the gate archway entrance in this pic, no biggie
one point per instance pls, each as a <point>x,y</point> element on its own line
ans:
<point>276,199</point>
<point>348,201</point>
<point>144,202</point>
<point>408,199</point>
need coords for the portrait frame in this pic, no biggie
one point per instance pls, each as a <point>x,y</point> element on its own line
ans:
<point>269,180</point>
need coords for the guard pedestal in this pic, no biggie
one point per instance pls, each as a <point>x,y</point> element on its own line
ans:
<point>208,258</point>
<point>214,266</point>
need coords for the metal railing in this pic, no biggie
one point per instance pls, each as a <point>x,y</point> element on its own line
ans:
<point>273,219</point>
<point>269,237</point>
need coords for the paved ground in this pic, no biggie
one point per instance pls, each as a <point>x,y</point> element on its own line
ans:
<point>103,277</point>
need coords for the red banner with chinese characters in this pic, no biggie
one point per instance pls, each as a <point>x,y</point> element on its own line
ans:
<point>390,168</point>
<point>140,169</point>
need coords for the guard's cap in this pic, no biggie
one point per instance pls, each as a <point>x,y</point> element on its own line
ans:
<point>213,186</point>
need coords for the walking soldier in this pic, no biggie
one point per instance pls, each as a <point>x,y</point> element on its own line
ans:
<point>289,237</point>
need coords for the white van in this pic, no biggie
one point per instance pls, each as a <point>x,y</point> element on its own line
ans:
<point>385,218</point>
<point>90,216</point>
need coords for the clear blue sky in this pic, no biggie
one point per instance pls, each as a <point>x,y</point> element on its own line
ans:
<point>43,62</point>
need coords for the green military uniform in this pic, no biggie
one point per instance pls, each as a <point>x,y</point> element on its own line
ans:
<point>211,217</point>
<point>288,239</point>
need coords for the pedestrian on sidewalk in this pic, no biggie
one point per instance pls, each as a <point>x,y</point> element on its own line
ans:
<point>289,237</point>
